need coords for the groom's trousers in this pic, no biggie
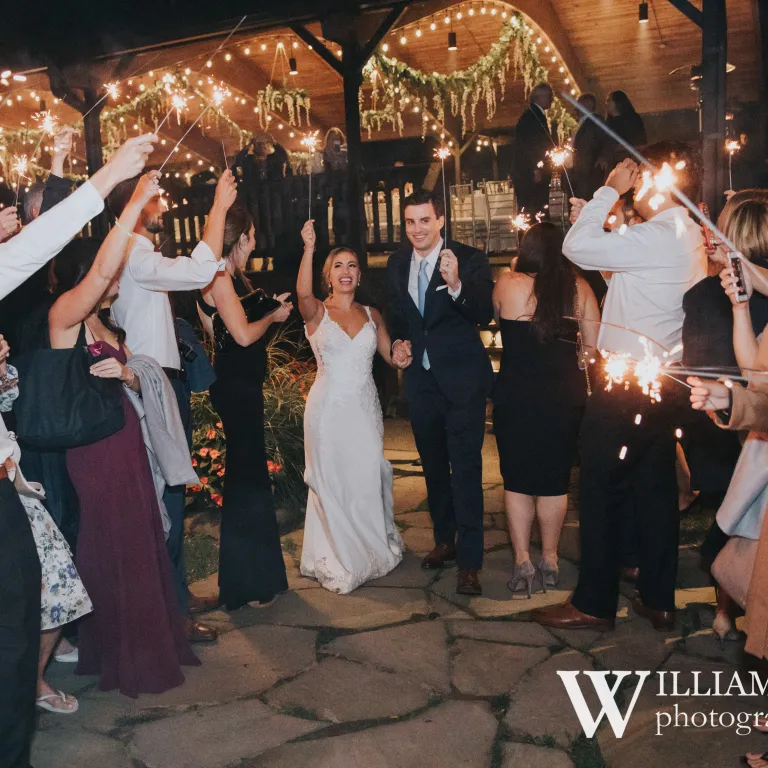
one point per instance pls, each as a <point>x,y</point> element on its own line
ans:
<point>449,437</point>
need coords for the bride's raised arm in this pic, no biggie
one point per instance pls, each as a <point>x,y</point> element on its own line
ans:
<point>309,305</point>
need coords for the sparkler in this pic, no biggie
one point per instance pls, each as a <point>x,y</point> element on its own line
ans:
<point>310,142</point>
<point>441,153</point>
<point>20,167</point>
<point>521,222</point>
<point>731,146</point>
<point>209,59</point>
<point>46,122</point>
<point>111,89</point>
<point>197,120</point>
<point>698,215</point>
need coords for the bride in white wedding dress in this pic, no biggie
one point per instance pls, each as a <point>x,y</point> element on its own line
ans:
<point>350,535</point>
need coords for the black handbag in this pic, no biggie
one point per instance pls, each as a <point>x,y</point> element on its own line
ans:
<point>61,404</point>
<point>256,305</point>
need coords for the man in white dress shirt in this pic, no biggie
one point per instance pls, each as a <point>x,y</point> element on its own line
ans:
<point>143,310</point>
<point>628,442</point>
<point>21,257</point>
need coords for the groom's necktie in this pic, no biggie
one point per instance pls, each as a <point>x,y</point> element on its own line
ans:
<point>423,285</point>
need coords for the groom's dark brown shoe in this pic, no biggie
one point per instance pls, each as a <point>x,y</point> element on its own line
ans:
<point>568,616</point>
<point>468,582</point>
<point>440,557</point>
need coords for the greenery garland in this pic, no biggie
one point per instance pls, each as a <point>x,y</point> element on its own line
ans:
<point>273,99</point>
<point>402,87</point>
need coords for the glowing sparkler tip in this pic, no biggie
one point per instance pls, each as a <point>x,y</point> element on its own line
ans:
<point>310,141</point>
<point>46,122</point>
<point>732,146</point>
<point>521,222</point>
<point>111,89</point>
<point>442,152</point>
<point>560,155</point>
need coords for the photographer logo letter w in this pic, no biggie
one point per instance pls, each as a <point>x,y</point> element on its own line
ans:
<point>606,695</point>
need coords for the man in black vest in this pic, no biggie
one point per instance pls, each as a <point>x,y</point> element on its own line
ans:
<point>438,294</point>
<point>533,139</point>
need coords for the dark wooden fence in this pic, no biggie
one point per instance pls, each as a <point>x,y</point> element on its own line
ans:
<point>281,206</point>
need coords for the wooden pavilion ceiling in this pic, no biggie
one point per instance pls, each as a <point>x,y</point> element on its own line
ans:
<point>599,43</point>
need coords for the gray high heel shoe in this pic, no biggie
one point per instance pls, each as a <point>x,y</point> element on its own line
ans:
<point>549,574</point>
<point>522,578</point>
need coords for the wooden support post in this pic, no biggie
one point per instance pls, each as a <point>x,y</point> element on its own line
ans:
<point>93,151</point>
<point>353,79</point>
<point>714,51</point>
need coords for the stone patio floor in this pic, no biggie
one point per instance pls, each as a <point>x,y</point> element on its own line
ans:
<point>404,673</point>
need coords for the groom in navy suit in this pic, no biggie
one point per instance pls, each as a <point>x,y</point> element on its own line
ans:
<point>438,294</point>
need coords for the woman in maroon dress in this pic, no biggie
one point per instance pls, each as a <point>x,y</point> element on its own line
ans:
<point>135,638</point>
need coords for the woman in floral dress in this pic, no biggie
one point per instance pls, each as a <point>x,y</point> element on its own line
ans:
<point>62,595</point>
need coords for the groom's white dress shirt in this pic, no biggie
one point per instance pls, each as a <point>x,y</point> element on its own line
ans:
<point>413,279</point>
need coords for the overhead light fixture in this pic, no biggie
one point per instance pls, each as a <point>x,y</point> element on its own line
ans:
<point>292,68</point>
<point>642,10</point>
<point>452,41</point>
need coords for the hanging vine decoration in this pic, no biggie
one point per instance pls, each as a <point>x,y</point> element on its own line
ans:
<point>397,87</point>
<point>273,99</point>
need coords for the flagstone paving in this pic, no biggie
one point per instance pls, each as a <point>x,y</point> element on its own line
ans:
<point>404,673</point>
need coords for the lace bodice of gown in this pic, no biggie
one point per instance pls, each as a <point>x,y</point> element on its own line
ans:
<point>345,364</point>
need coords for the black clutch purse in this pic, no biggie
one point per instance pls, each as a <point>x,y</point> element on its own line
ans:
<point>256,304</point>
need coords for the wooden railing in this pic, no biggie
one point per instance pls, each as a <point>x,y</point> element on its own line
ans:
<point>281,206</point>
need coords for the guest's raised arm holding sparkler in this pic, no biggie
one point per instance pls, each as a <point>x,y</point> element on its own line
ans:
<point>627,442</point>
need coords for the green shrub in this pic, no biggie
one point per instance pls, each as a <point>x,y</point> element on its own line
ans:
<point>289,378</point>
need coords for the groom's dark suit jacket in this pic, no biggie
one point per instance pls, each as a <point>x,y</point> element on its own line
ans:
<point>448,330</point>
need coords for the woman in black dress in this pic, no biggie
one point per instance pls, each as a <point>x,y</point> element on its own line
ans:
<point>624,120</point>
<point>712,323</point>
<point>251,567</point>
<point>540,393</point>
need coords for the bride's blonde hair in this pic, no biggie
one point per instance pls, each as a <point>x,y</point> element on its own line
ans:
<point>327,266</point>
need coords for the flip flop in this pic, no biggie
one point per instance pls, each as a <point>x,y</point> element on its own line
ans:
<point>43,703</point>
<point>71,657</point>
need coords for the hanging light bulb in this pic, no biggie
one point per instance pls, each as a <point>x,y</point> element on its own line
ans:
<point>459,15</point>
<point>247,51</point>
<point>385,47</point>
<point>452,46</point>
<point>642,13</point>
<point>403,40</point>
<point>433,26</point>
<point>418,32</point>
<point>292,68</point>
<point>228,57</point>
<point>447,19</point>
<point>471,11</point>
<point>263,46</point>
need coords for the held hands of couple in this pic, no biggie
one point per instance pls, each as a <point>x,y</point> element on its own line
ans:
<point>449,269</point>
<point>402,354</point>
